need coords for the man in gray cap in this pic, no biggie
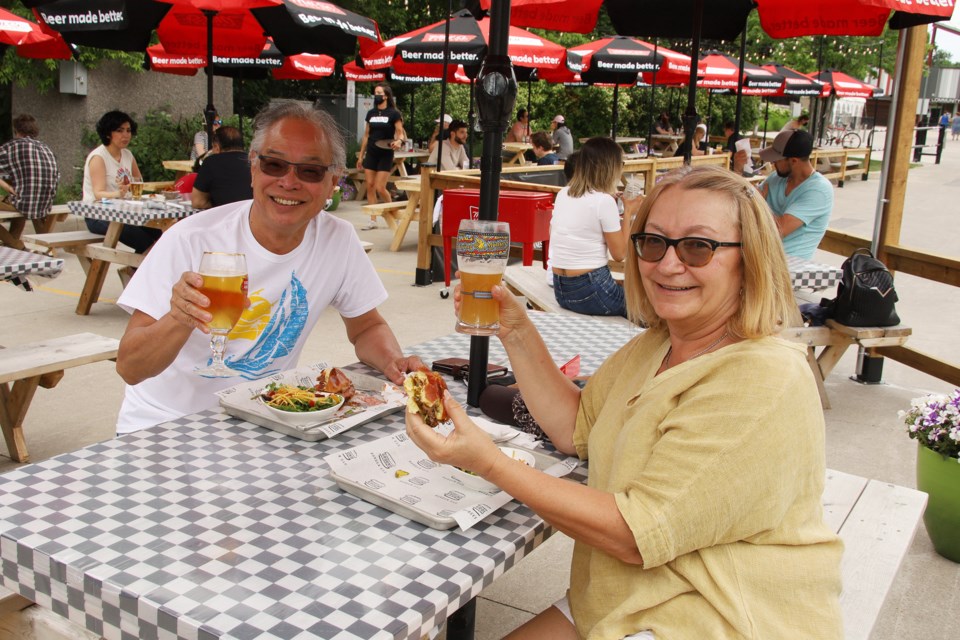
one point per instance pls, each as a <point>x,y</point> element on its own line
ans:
<point>801,198</point>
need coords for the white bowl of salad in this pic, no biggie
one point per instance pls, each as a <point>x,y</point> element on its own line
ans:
<point>300,405</point>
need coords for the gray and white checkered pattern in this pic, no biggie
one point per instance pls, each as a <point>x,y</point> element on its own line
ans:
<point>16,265</point>
<point>211,527</point>
<point>135,212</point>
<point>813,276</point>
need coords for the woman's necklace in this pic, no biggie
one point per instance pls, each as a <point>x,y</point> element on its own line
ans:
<point>713,344</point>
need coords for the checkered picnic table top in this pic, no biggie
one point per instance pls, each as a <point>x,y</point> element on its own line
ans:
<point>15,265</point>
<point>813,276</point>
<point>211,527</point>
<point>135,212</point>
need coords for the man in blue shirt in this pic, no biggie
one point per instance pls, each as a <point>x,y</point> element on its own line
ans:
<point>801,199</point>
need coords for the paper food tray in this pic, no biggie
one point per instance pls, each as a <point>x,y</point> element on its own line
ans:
<point>242,401</point>
<point>395,474</point>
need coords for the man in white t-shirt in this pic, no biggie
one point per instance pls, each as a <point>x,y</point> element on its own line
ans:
<point>300,260</point>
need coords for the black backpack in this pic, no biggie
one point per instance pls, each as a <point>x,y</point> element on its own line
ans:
<point>865,295</point>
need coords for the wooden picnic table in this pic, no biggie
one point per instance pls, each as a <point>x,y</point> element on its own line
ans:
<point>180,166</point>
<point>400,159</point>
<point>665,143</point>
<point>149,574</point>
<point>517,149</point>
<point>144,213</point>
<point>16,265</point>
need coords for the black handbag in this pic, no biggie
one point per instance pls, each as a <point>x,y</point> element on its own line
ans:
<point>865,295</point>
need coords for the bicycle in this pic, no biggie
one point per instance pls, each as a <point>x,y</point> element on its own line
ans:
<point>843,137</point>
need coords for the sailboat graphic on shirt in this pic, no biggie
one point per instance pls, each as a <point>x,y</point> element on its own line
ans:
<point>287,319</point>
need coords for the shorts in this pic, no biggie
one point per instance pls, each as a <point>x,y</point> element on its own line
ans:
<point>377,159</point>
<point>564,606</point>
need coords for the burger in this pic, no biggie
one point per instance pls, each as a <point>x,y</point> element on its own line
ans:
<point>425,396</point>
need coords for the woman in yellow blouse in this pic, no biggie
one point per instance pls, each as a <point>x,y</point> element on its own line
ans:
<point>701,517</point>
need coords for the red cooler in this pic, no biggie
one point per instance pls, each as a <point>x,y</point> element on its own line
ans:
<point>527,212</point>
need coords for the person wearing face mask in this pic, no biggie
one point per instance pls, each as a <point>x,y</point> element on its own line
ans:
<point>384,122</point>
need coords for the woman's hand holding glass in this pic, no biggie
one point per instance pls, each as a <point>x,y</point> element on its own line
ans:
<point>467,446</point>
<point>512,314</point>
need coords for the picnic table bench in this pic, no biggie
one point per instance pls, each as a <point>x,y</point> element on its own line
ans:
<point>41,364</point>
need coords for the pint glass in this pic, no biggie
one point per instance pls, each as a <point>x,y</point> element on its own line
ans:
<point>482,250</point>
<point>136,188</point>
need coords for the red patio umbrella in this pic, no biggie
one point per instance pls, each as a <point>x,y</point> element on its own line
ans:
<point>842,85</point>
<point>718,70</point>
<point>796,83</point>
<point>356,73</point>
<point>621,59</point>
<point>468,45</point>
<point>789,19</point>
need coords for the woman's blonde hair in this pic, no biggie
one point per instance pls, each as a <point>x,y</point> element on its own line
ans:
<point>599,166</point>
<point>766,298</point>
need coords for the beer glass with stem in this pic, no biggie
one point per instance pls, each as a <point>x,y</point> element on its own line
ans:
<point>483,247</point>
<point>225,285</point>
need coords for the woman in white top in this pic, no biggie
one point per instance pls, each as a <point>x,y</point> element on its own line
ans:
<point>586,225</point>
<point>201,147</point>
<point>107,174</point>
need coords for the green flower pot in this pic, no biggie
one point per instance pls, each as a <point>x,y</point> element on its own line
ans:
<point>939,477</point>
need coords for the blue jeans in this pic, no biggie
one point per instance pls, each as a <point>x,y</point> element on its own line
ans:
<point>594,293</point>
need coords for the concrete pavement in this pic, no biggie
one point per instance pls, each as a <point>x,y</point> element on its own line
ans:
<point>863,434</point>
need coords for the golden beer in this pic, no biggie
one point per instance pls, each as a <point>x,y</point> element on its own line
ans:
<point>479,312</point>
<point>227,296</point>
<point>136,190</point>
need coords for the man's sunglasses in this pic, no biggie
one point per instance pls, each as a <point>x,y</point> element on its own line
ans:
<point>692,251</point>
<point>277,168</point>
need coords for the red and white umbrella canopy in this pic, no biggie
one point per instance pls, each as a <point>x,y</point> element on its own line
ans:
<point>525,49</point>
<point>844,86</point>
<point>616,58</point>
<point>32,40</point>
<point>356,73</point>
<point>796,84</point>
<point>790,19</point>
<point>305,66</point>
<point>569,16</point>
<point>236,32</point>
<point>720,71</point>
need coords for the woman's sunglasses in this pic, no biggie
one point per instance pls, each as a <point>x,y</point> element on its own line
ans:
<point>692,251</point>
<point>277,168</point>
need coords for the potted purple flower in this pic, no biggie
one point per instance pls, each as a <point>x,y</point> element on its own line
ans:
<point>934,422</point>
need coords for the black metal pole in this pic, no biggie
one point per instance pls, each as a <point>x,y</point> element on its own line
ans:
<point>496,99</point>
<point>815,133</point>
<point>876,103</point>
<point>743,54</point>
<point>443,86</point>
<point>653,91</point>
<point>210,111</point>
<point>616,110</point>
<point>471,119</point>
<point>766,118</point>
<point>690,115</point>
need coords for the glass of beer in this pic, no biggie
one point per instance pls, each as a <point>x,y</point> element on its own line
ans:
<point>483,247</point>
<point>136,188</point>
<point>225,285</point>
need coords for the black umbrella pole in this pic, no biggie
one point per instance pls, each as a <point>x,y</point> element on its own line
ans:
<point>496,99</point>
<point>616,110</point>
<point>743,53</point>
<point>210,111</point>
<point>690,115</point>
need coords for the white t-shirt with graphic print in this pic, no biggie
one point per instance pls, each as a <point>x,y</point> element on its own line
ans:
<point>288,293</point>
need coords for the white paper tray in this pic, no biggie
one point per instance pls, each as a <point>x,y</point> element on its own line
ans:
<point>240,401</point>
<point>369,472</point>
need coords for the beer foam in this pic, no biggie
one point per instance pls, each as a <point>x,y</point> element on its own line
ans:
<point>481,268</point>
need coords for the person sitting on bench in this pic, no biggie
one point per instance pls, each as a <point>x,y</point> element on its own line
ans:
<point>31,173</point>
